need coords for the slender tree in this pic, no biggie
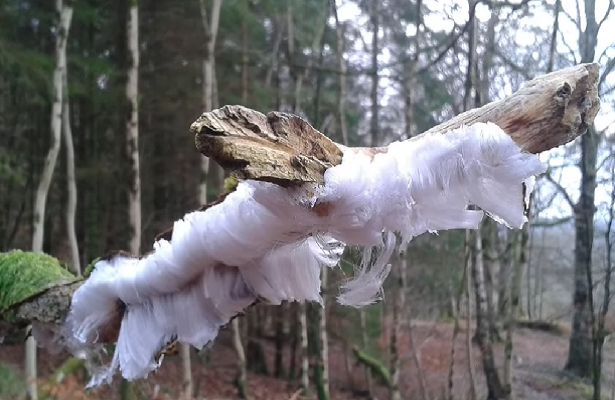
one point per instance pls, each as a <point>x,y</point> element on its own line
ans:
<point>64,13</point>
<point>71,207</point>
<point>210,26</point>
<point>580,347</point>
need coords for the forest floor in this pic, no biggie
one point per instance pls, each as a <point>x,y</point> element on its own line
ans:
<point>538,362</point>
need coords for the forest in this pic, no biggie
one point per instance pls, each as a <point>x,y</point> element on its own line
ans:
<point>98,154</point>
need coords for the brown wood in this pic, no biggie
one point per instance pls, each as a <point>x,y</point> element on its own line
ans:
<point>277,147</point>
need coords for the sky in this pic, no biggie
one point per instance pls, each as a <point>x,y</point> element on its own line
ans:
<point>444,18</point>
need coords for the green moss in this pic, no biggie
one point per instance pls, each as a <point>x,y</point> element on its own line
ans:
<point>24,274</point>
<point>230,184</point>
<point>90,268</point>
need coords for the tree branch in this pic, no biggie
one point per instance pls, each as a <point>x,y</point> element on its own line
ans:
<point>560,189</point>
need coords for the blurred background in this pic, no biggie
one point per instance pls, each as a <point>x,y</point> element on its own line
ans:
<point>96,101</point>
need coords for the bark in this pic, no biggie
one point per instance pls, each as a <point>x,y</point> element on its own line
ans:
<point>456,300</point>
<point>470,262</point>
<point>491,263</point>
<point>241,380</point>
<point>416,357</point>
<point>520,258</point>
<point>127,390</point>
<point>375,109</point>
<point>504,277</point>
<point>294,333</point>
<point>305,381</point>
<point>470,82</point>
<point>364,343</point>
<point>242,367</point>
<point>71,207</point>
<point>188,385</point>
<point>279,342</point>
<point>132,129</point>
<point>210,26</point>
<point>601,332</point>
<point>64,16</point>
<point>395,361</point>
<point>580,357</point>
<point>324,339</point>
<point>494,384</point>
<point>341,64</point>
<point>553,44</point>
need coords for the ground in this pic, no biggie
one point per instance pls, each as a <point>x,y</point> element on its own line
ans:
<point>539,358</point>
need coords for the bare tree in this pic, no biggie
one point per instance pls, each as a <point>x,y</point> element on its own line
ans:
<point>64,14</point>
<point>341,64</point>
<point>375,51</point>
<point>580,348</point>
<point>132,129</point>
<point>132,148</point>
<point>71,207</point>
<point>210,26</point>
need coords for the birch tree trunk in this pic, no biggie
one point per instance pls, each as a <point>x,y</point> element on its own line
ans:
<point>470,261</point>
<point>132,148</point>
<point>64,15</point>
<point>242,371</point>
<point>324,339</point>
<point>132,128</point>
<point>375,109</point>
<point>71,207</point>
<point>341,64</point>
<point>210,26</point>
<point>305,366</point>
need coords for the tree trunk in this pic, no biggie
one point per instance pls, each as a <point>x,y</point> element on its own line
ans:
<point>132,147</point>
<point>600,333</point>
<point>395,362</point>
<point>456,300</point>
<point>375,109</point>
<point>305,366</point>
<point>294,334</point>
<point>279,342</point>
<point>188,384</point>
<point>341,64</point>
<point>71,207</point>
<point>132,129</point>
<point>64,17</point>
<point>490,263</point>
<point>364,344</point>
<point>324,339</point>
<point>494,385</point>
<point>241,380</point>
<point>580,347</point>
<point>470,261</point>
<point>211,31</point>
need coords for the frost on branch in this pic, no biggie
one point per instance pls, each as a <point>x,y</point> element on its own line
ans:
<point>302,199</point>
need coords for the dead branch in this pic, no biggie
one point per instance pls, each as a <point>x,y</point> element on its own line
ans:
<point>547,112</point>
